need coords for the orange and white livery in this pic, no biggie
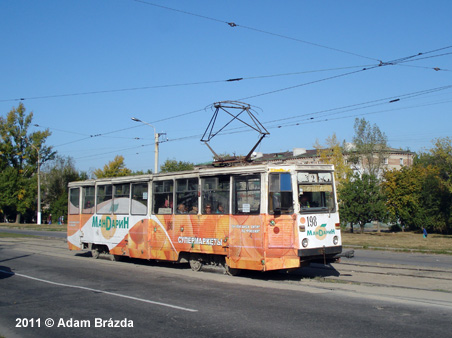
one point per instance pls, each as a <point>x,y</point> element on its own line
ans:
<point>255,217</point>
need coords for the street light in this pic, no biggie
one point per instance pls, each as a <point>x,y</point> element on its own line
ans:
<point>156,139</point>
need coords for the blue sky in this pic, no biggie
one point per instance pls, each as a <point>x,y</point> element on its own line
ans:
<point>86,67</point>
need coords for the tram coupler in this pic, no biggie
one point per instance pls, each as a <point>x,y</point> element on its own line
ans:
<point>346,254</point>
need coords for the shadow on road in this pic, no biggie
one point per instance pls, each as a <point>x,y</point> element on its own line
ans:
<point>5,272</point>
<point>310,272</point>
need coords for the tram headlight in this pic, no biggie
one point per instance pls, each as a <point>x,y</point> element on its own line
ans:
<point>335,240</point>
<point>304,242</point>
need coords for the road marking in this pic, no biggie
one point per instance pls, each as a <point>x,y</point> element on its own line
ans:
<point>101,291</point>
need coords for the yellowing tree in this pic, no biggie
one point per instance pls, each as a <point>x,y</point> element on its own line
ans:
<point>333,153</point>
<point>115,168</point>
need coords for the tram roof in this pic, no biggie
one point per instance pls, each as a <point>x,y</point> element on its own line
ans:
<point>205,171</point>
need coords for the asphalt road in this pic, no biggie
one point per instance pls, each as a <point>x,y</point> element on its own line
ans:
<point>373,256</point>
<point>52,234</point>
<point>404,258</point>
<point>41,280</point>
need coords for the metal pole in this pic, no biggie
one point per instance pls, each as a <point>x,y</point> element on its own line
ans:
<point>156,160</point>
<point>38,216</point>
<point>156,140</point>
<point>39,189</point>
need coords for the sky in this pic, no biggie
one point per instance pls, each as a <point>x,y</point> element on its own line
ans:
<point>308,69</point>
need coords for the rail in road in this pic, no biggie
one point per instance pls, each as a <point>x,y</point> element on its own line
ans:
<point>407,277</point>
<point>42,279</point>
<point>356,278</point>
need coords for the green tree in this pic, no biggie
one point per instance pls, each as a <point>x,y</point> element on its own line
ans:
<point>142,172</point>
<point>56,176</point>
<point>370,145</point>
<point>115,168</point>
<point>437,192</point>
<point>19,153</point>
<point>407,197</point>
<point>361,200</point>
<point>18,195</point>
<point>173,165</point>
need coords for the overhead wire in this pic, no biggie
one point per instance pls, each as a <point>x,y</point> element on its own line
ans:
<point>105,134</point>
<point>343,109</point>
<point>106,91</point>
<point>309,120</point>
<point>369,104</point>
<point>400,61</point>
<point>375,66</point>
<point>233,25</point>
<point>393,62</point>
<point>198,110</point>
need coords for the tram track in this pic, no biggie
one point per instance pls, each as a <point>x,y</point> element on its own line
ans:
<point>383,275</point>
<point>357,273</point>
<point>419,274</point>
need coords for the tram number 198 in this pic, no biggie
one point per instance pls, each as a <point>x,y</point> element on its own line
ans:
<point>312,221</point>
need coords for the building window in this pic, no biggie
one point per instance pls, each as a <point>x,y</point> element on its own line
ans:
<point>401,161</point>
<point>386,161</point>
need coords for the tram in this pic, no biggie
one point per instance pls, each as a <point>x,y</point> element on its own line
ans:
<point>251,217</point>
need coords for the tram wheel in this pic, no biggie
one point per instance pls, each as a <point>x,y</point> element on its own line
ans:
<point>231,271</point>
<point>115,258</point>
<point>95,252</point>
<point>196,265</point>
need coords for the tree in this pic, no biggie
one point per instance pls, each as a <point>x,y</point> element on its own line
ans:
<point>19,151</point>
<point>18,194</point>
<point>370,145</point>
<point>173,165</point>
<point>405,195</point>
<point>115,168</point>
<point>333,153</point>
<point>361,200</point>
<point>437,191</point>
<point>141,172</point>
<point>56,176</point>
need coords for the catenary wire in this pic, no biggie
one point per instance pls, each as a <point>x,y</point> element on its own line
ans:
<point>236,79</point>
<point>233,25</point>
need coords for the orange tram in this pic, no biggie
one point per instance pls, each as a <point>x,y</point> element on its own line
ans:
<point>255,217</point>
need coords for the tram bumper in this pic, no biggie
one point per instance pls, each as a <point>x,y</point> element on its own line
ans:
<point>324,255</point>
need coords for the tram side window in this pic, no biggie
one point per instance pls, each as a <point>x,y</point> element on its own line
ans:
<point>247,195</point>
<point>121,198</point>
<point>88,200</point>
<point>163,197</point>
<point>280,197</point>
<point>104,199</point>
<point>139,198</point>
<point>74,201</point>
<point>187,196</point>
<point>215,195</point>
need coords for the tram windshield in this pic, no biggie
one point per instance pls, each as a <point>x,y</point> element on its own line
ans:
<point>315,191</point>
